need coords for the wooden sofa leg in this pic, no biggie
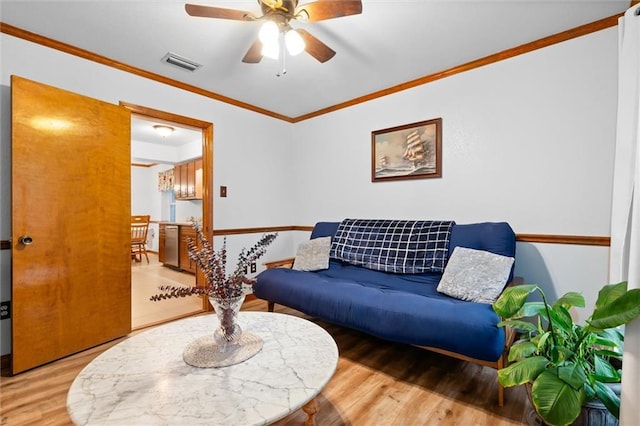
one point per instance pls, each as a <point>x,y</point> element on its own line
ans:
<point>271,306</point>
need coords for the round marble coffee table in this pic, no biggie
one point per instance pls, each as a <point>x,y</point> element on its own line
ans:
<point>144,381</point>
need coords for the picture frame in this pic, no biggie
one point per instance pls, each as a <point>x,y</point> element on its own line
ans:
<point>410,151</point>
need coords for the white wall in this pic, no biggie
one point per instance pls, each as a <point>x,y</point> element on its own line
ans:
<point>251,151</point>
<point>166,153</point>
<point>528,140</point>
<point>146,199</point>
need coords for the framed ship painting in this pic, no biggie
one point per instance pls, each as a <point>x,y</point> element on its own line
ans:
<point>412,151</point>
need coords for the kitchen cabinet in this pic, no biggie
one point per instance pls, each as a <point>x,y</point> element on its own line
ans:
<point>186,264</point>
<point>188,180</point>
<point>182,262</point>
<point>191,179</point>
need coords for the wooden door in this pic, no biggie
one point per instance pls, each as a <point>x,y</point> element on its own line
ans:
<point>71,271</point>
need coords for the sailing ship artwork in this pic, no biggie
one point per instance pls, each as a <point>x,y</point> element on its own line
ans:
<point>412,151</point>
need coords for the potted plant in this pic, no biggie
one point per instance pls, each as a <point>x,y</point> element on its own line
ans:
<point>566,364</point>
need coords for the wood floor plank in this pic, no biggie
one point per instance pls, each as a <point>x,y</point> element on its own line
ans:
<point>376,383</point>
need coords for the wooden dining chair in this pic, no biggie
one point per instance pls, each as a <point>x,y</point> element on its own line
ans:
<point>139,229</point>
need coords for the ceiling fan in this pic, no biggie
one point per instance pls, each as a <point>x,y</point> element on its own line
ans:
<point>277,15</point>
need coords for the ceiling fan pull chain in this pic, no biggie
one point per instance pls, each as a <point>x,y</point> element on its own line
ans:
<point>283,59</point>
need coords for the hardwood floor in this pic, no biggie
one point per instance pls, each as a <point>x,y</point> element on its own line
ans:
<point>145,279</point>
<point>376,383</point>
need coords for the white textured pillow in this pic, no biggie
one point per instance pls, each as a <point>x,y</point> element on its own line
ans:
<point>475,275</point>
<point>313,255</point>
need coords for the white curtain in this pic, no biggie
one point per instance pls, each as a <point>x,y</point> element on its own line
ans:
<point>625,214</point>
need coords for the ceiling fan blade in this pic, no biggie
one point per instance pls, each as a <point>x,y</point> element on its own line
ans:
<point>329,9</point>
<point>254,54</point>
<point>315,47</point>
<point>218,12</point>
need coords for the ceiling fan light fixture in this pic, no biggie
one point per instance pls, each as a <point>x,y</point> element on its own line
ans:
<point>295,43</point>
<point>269,33</point>
<point>163,130</point>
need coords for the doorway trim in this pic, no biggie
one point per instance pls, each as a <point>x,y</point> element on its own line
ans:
<point>207,164</point>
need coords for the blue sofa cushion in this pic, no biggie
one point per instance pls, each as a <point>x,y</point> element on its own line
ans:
<point>400,308</point>
<point>400,246</point>
<point>324,229</point>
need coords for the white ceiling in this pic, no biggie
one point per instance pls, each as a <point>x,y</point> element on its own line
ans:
<point>142,131</point>
<point>391,42</point>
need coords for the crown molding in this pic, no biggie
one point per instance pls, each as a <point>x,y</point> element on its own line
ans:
<point>579,31</point>
<point>85,54</point>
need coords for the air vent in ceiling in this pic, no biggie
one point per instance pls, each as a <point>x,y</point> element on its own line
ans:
<point>179,61</point>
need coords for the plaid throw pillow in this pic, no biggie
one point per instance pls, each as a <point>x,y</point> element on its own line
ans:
<point>399,246</point>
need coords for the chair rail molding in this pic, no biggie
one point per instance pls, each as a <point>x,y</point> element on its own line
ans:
<point>585,240</point>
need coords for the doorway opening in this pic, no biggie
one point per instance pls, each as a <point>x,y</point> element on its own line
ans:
<point>155,156</point>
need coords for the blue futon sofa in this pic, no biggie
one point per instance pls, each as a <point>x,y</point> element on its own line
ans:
<point>398,306</point>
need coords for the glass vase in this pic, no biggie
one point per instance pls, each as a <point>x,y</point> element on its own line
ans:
<point>228,331</point>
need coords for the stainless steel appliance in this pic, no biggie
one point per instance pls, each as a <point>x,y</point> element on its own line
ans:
<point>171,241</point>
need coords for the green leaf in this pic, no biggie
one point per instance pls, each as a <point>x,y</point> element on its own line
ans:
<point>561,318</point>
<point>522,371</point>
<point>609,398</point>
<point>573,375</point>
<point>604,371</point>
<point>589,392</point>
<point>541,340</point>
<point>555,401</point>
<point>533,308</point>
<point>610,292</point>
<point>622,310</point>
<point>518,325</point>
<point>607,353</point>
<point>521,350</point>
<point>570,299</point>
<point>602,342</point>
<point>614,336</point>
<point>512,299</point>
<point>562,353</point>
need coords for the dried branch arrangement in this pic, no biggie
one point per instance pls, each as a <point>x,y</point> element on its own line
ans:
<point>213,264</point>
